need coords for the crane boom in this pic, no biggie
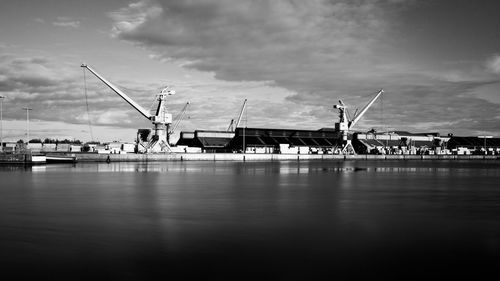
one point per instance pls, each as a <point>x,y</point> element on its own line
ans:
<point>241,113</point>
<point>181,116</point>
<point>135,105</point>
<point>362,112</point>
<point>230,128</point>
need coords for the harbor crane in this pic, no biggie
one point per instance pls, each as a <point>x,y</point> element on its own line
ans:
<point>230,128</point>
<point>346,123</point>
<point>232,125</point>
<point>158,141</point>
<point>179,119</point>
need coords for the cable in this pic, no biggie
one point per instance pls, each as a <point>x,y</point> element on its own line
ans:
<point>246,116</point>
<point>382,119</point>
<point>87,104</point>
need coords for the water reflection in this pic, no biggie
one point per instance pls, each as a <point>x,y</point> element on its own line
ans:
<point>263,168</point>
<point>288,220</point>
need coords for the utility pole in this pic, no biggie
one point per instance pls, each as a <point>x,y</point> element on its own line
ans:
<point>27,123</point>
<point>1,123</point>
<point>246,120</point>
<point>244,149</point>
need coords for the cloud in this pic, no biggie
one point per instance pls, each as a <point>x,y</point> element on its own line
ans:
<point>55,91</point>
<point>20,72</point>
<point>111,117</point>
<point>14,130</point>
<point>493,63</point>
<point>318,51</point>
<point>284,41</point>
<point>438,106</point>
<point>66,22</point>
<point>127,19</point>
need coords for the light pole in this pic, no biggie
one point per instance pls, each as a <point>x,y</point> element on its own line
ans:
<point>484,146</point>
<point>1,123</point>
<point>244,148</point>
<point>27,123</point>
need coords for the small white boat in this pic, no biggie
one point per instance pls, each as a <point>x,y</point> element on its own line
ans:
<point>60,159</point>
<point>38,159</point>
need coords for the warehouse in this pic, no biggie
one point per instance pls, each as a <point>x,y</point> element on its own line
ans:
<point>474,145</point>
<point>400,142</point>
<point>263,140</point>
<point>208,141</point>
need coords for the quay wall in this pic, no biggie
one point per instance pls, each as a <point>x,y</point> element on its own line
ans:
<point>265,157</point>
<point>94,157</point>
<point>12,158</point>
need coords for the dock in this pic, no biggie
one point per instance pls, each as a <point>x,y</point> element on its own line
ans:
<point>155,157</point>
<point>30,159</point>
<point>242,157</point>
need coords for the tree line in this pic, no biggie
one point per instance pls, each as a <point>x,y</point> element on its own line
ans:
<point>57,141</point>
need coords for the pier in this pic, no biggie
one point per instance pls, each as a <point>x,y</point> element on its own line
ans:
<point>95,157</point>
<point>265,157</point>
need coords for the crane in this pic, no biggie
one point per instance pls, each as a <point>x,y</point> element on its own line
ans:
<point>179,119</point>
<point>230,128</point>
<point>346,123</point>
<point>161,119</point>
<point>241,113</point>
<point>234,125</point>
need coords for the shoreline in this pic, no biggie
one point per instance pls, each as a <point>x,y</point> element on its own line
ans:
<point>267,157</point>
<point>93,157</point>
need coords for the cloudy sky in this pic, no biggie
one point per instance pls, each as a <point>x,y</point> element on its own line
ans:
<point>437,60</point>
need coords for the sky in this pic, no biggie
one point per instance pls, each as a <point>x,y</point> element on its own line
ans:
<point>438,62</point>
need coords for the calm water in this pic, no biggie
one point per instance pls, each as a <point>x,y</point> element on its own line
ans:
<point>264,221</point>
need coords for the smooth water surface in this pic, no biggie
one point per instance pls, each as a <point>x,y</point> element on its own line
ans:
<point>254,220</point>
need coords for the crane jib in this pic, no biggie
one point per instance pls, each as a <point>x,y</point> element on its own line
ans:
<point>367,106</point>
<point>124,96</point>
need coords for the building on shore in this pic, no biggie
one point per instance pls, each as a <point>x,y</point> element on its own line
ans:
<point>263,140</point>
<point>207,141</point>
<point>474,145</point>
<point>285,141</point>
<point>400,142</point>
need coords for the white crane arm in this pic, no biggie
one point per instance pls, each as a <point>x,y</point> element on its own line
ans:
<point>241,113</point>
<point>362,112</point>
<point>135,105</point>
<point>181,116</point>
